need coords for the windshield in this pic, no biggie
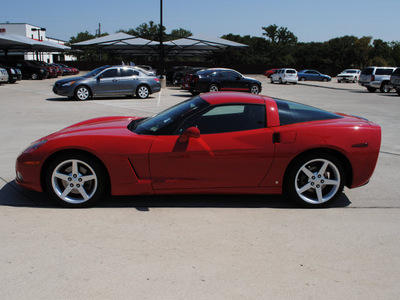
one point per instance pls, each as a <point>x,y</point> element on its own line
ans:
<point>165,121</point>
<point>95,71</point>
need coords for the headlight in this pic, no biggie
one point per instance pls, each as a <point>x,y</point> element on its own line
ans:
<point>69,83</point>
<point>35,146</point>
<point>12,71</point>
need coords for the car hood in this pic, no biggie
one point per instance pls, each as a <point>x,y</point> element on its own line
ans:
<point>69,79</point>
<point>98,126</point>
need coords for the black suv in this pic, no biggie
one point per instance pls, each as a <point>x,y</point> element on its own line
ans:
<point>29,69</point>
<point>395,80</point>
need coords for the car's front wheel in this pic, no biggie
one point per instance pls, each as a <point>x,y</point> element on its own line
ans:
<point>315,180</point>
<point>82,93</point>
<point>75,180</point>
<point>255,89</point>
<point>325,80</point>
<point>143,92</point>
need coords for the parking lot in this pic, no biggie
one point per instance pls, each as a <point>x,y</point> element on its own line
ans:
<point>203,246</point>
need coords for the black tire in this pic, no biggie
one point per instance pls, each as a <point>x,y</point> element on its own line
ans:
<point>325,80</point>
<point>339,81</point>
<point>398,92</point>
<point>385,87</point>
<point>272,81</point>
<point>254,89</point>
<point>213,88</point>
<point>371,89</point>
<point>302,79</point>
<point>314,180</point>
<point>82,93</point>
<point>280,81</point>
<point>143,91</point>
<point>75,180</point>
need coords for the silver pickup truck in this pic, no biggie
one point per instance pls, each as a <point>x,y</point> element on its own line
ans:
<point>374,78</point>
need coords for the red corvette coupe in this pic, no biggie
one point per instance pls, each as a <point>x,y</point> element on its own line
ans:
<point>212,143</point>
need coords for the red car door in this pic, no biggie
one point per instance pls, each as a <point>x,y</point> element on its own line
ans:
<point>229,153</point>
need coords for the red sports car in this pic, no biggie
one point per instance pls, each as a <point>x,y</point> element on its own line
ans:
<point>270,72</point>
<point>213,143</point>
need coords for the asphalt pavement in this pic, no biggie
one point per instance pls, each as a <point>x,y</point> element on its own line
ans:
<point>197,247</point>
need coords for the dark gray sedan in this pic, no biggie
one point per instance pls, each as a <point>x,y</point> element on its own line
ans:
<point>109,81</point>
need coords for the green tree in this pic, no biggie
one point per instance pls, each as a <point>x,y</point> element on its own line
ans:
<point>179,33</point>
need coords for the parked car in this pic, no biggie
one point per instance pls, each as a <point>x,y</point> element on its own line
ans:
<point>179,76</point>
<point>215,79</point>
<point>148,69</point>
<point>52,71</point>
<point>109,81</point>
<point>270,72</point>
<point>29,70</point>
<point>14,74</point>
<point>395,80</point>
<point>374,78</point>
<point>3,75</point>
<point>215,143</point>
<point>171,72</point>
<point>312,75</point>
<point>285,76</point>
<point>58,68</point>
<point>349,75</point>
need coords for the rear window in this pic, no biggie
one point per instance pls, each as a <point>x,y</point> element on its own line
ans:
<point>291,113</point>
<point>290,71</point>
<point>367,71</point>
<point>383,71</point>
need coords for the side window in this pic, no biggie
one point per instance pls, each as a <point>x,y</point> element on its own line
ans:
<point>128,72</point>
<point>109,73</point>
<point>383,71</point>
<point>228,118</point>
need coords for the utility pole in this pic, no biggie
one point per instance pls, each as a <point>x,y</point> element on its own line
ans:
<point>161,41</point>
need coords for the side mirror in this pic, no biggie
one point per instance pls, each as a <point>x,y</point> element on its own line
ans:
<point>191,132</point>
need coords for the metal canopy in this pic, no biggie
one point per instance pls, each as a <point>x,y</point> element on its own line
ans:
<point>121,43</point>
<point>17,43</point>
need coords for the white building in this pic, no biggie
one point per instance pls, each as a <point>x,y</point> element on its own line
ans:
<point>36,33</point>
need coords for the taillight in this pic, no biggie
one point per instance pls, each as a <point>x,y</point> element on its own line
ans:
<point>372,77</point>
<point>156,79</point>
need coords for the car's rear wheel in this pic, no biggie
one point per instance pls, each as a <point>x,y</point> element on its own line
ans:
<point>213,88</point>
<point>75,180</point>
<point>315,180</point>
<point>339,81</point>
<point>302,79</point>
<point>82,93</point>
<point>255,89</point>
<point>371,89</point>
<point>385,87</point>
<point>143,92</point>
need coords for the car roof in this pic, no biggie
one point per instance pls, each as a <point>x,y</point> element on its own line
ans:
<point>232,97</point>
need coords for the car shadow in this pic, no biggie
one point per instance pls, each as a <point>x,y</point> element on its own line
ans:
<point>15,196</point>
<point>128,98</point>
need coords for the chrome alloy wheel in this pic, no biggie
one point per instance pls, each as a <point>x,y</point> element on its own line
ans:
<point>317,181</point>
<point>254,89</point>
<point>213,88</point>
<point>74,181</point>
<point>143,92</point>
<point>82,93</point>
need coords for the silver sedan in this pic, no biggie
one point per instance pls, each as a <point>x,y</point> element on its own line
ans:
<point>109,81</point>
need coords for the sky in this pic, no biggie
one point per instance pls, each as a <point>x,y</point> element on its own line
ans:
<point>309,20</point>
